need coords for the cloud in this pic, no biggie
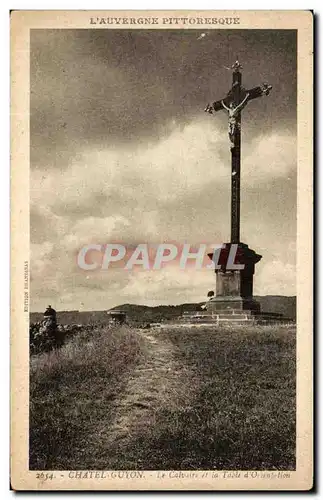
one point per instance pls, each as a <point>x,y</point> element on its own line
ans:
<point>121,86</point>
<point>188,159</point>
<point>277,278</point>
<point>269,156</point>
<point>94,230</point>
<point>121,151</point>
<point>174,190</point>
<point>169,285</point>
<point>40,254</point>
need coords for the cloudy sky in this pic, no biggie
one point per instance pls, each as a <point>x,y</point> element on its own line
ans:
<point>121,151</point>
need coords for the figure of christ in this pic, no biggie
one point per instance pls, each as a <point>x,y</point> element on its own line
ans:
<point>233,113</point>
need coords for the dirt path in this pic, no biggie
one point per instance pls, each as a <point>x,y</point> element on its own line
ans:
<point>158,382</point>
<point>153,383</point>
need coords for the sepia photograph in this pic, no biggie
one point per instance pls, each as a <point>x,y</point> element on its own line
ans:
<point>160,278</point>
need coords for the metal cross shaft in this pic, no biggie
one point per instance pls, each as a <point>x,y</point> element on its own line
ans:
<point>234,102</point>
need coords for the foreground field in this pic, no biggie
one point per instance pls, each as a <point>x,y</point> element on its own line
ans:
<point>170,399</point>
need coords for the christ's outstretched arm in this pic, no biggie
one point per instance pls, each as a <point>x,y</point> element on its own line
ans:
<point>225,107</point>
<point>242,103</point>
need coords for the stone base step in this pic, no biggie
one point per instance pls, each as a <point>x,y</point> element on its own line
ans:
<point>242,316</point>
<point>230,312</point>
<point>225,320</point>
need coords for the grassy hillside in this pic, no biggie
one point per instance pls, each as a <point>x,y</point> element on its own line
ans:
<point>241,411</point>
<point>151,399</point>
<point>145,314</point>
<point>71,392</point>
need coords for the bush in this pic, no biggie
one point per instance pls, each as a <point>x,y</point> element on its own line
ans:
<point>45,336</point>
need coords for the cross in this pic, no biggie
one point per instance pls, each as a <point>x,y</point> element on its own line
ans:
<point>233,103</point>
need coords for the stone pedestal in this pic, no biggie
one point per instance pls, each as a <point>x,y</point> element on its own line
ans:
<point>234,287</point>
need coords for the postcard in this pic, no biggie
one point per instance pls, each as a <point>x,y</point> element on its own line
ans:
<point>161,249</point>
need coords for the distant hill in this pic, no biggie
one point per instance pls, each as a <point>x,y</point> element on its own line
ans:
<point>145,314</point>
<point>278,304</point>
<point>268,303</point>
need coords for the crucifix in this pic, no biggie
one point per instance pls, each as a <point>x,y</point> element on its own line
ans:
<point>234,102</point>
